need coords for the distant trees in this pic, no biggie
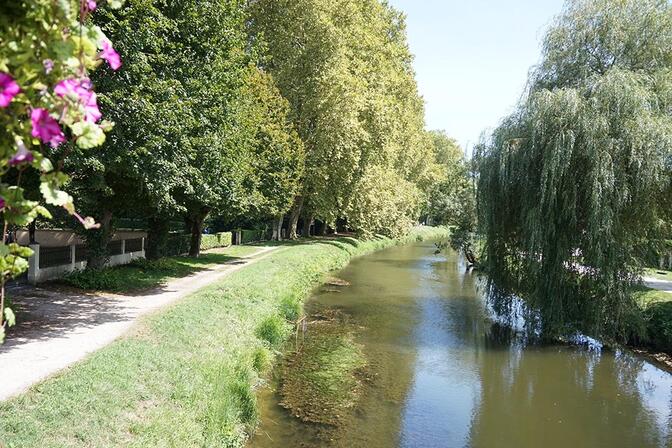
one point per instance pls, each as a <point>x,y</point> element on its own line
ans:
<point>576,183</point>
<point>345,68</point>
<point>237,111</point>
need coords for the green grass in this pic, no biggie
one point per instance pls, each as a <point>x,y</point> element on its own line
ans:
<point>185,377</point>
<point>646,296</point>
<point>656,309</point>
<point>659,274</point>
<point>143,274</point>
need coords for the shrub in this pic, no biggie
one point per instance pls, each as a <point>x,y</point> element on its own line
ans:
<point>261,359</point>
<point>291,308</point>
<point>213,241</point>
<point>272,330</point>
<point>659,328</point>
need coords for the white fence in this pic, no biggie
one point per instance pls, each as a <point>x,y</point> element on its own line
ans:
<point>49,263</point>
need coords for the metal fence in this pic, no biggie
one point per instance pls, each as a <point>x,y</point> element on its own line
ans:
<point>55,256</point>
<point>134,245</point>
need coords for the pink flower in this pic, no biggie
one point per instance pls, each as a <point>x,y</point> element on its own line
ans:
<point>110,55</point>
<point>91,5</point>
<point>46,128</point>
<point>8,89</point>
<point>79,90</point>
<point>22,154</point>
<point>88,222</point>
<point>48,65</point>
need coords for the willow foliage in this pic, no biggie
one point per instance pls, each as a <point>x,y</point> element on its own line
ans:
<point>575,186</point>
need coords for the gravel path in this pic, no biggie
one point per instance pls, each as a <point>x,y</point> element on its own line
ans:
<point>59,328</point>
<point>654,283</point>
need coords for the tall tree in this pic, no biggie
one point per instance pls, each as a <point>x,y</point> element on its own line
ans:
<point>346,70</point>
<point>575,184</point>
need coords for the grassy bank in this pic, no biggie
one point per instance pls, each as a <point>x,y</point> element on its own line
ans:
<point>143,274</point>
<point>656,308</point>
<point>185,376</point>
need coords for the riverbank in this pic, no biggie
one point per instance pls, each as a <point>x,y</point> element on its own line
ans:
<point>185,376</point>
<point>438,372</point>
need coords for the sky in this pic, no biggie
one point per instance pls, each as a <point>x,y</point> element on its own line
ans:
<point>472,58</point>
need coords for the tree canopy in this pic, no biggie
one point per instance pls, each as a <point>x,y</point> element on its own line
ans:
<point>575,185</point>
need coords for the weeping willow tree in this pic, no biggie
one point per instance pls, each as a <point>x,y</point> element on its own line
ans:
<point>575,185</point>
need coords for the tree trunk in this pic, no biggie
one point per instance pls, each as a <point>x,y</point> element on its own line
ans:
<point>277,228</point>
<point>97,241</point>
<point>196,228</point>
<point>294,217</point>
<point>31,231</point>
<point>307,224</point>
<point>157,238</point>
<point>320,228</point>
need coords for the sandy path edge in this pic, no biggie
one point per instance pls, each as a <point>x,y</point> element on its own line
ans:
<point>71,326</point>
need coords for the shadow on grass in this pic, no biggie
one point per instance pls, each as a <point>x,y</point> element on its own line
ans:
<point>339,241</point>
<point>142,276</point>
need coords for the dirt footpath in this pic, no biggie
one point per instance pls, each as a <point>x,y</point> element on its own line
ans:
<point>62,327</point>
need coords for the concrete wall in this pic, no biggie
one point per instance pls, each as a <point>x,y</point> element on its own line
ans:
<point>60,238</point>
<point>38,275</point>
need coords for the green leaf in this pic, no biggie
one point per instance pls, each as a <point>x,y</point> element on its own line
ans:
<point>46,165</point>
<point>42,211</point>
<point>53,195</point>
<point>21,251</point>
<point>89,135</point>
<point>10,317</point>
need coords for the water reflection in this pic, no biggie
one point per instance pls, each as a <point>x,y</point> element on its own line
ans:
<point>445,376</point>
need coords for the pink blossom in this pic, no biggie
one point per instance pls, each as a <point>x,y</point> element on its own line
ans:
<point>88,222</point>
<point>8,89</point>
<point>22,154</point>
<point>110,55</point>
<point>80,90</point>
<point>48,65</point>
<point>46,128</point>
<point>91,5</point>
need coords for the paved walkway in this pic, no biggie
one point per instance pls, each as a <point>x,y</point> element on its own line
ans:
<point>60,328</point>
<point>654,283</point>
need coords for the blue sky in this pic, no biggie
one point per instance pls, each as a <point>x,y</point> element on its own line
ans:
<point>473,56</point>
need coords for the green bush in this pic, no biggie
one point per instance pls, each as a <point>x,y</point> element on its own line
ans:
<point>659,327</point>
<point>291,308</point>
<point>272,330</point>
<point>213,241</point>
<point>104,279</point>
<point>250,236</point>
<point>261,360</point>
<point>177,244</point>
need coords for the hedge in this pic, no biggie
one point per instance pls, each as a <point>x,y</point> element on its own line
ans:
<point>212,241</point>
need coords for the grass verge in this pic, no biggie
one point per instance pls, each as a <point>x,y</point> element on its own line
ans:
<point>144,274</point>
<point>656,309</point>
<point>185,377</point>
<point>659,274</point>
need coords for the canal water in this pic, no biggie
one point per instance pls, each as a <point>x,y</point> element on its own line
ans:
<point>442,375</point>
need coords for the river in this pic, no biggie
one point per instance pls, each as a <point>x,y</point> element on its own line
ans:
<point>443,375</point>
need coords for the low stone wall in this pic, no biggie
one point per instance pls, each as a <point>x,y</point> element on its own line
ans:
<point>39,271</point>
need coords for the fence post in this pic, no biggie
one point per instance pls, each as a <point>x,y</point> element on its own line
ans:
<point>34,264</point>
<point>73,248</point>
<point>123,246</point>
